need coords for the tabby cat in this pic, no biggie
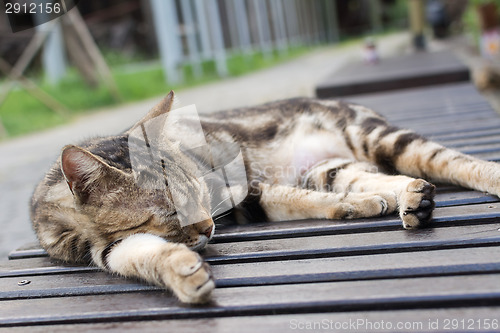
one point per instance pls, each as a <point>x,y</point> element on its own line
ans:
<point>304,158</point>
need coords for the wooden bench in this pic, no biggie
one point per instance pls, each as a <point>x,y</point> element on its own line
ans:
<point>367,274</point>
<point>409,71</point>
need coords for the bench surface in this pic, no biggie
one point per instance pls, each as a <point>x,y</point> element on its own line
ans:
<point>290,275</point>
<point>409,71</point>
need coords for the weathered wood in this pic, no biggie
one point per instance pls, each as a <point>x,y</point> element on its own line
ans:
<point>349,245</point>
<point>448,97</point>
<point>76,281</point>
<point>418,320</point>
<point>470,134</point>
<point>411,293</point>
<point>473,115</point>
<point>446,216</point>
<point>40,266</point>
<point>414,70</point>
<point>492,139</point>
<point>443,216</point>
<point>362,267</point>
<point>462,109</point>
<point>458,198</point>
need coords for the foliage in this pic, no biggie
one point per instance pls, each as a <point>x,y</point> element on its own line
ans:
<point>21,113</point>
<point>397,14</point>
<point>471,18</point>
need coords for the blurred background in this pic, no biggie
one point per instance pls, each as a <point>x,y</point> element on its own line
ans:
<point>103,64</point>
<point>145,47</point>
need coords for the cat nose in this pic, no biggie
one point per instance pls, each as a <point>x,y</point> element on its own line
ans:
<point>205,227</point>
<point>208,231</point>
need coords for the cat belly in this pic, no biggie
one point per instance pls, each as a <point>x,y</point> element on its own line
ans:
<point>296,155</point>
<point>316,148</point>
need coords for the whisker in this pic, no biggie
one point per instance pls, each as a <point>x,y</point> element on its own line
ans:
<point>221,216</point>
<point>220,203</point>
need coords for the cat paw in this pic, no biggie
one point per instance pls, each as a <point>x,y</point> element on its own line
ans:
<point>360,205</point>
<point>416,204</point>
<point>389,201</point>
<point>190,279</point>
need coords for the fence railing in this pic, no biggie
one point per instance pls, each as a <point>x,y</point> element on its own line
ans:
<point>191,30</point>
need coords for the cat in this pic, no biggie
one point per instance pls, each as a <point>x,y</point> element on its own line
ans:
<point>303,158</point>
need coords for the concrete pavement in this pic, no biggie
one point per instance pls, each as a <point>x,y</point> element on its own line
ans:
<point>24,161</point>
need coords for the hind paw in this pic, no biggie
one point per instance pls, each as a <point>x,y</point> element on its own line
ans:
<point>358,205</point>
<point>416,204</point>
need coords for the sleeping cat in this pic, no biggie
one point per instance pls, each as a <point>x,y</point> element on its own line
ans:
<point>304,158</point>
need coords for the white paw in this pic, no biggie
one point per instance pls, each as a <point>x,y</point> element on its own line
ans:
<point>190,278</point>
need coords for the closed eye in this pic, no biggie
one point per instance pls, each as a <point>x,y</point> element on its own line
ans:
<point>139,225</point>
<point>173,212</point>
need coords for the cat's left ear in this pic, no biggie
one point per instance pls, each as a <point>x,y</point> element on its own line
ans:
<point>164,106</point>
<point>85,172</point>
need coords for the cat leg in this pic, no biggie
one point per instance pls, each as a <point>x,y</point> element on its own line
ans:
<point>414,196</point>
<point>282,202</point>
<point>398,150</point>
<point>168,265</point>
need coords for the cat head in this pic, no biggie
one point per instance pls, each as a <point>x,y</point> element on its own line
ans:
<point>120,202</point>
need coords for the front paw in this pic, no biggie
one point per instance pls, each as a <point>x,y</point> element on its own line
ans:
<point>189,277</point>
<point>417,204</point>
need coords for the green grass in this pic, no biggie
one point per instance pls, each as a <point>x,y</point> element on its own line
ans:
<point>136,80</point>
<point>21,113</point>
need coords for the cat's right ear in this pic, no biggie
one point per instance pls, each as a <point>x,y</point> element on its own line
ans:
<point>83,171</point>
<point>164,106</point>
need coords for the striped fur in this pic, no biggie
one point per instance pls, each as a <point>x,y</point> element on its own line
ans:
<point>304,158</point>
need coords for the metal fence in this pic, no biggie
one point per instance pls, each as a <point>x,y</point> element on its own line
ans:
<point>190,31</point>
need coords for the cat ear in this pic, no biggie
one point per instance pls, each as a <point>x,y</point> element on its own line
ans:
<point>83,171</point>
<point>159,109</point>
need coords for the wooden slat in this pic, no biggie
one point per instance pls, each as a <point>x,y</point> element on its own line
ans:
<point>386,261</point>
<point>448,98</point>
<point>471,290</point>
<point>354,239</point>
<point>435,124</point>
<point>461,197</point>
<point>470,134</point>
<point>364,267</point>
<point>462,142</point>
<point>368,265</point>
<point>459,106</point>
<point>414,70</point>
<point>387,321</point>
<point>445,216</point>
<point>453,128</point>
<point>487,142</point>
<point>458,115</point>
